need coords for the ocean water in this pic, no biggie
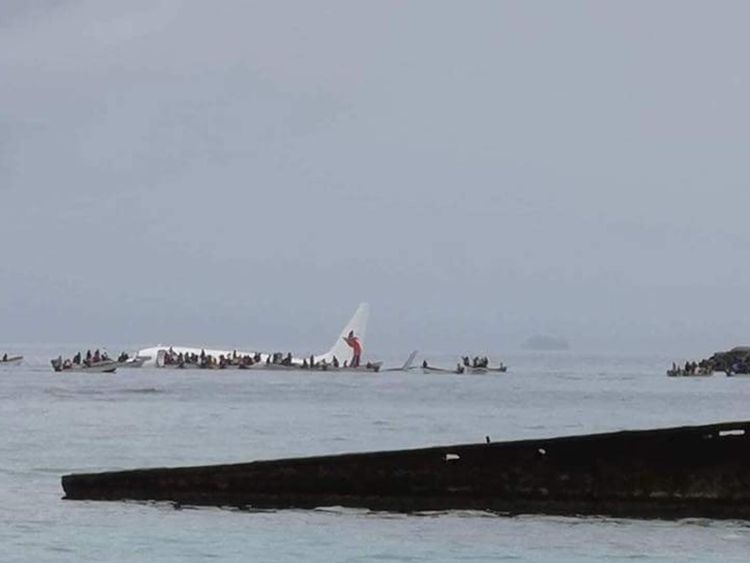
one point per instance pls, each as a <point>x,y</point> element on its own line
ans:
<point>56,424</point>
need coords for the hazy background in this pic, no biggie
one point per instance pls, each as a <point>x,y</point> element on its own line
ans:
<point>246,173</point>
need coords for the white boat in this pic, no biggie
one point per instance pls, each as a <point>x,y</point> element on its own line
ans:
<point>132,363</point>
<point>11,361</point>
<point>679,372</point>
<point>482,370</point>
<point>106,366</point>
<point>433,369</point>
<point>368,367</point>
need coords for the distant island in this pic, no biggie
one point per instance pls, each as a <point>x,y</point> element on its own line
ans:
<point>546,343</point>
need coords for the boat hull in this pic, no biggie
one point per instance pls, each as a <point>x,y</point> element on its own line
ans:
<point>701,471</point>
<point>14,361</point>
<point>429,370</point>
<point>100,367</point>
<point>484,371</point>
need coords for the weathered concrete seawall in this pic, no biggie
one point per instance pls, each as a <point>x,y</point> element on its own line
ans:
<point>674,472</point>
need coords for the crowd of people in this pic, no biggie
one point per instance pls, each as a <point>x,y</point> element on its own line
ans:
<point>208,361</point>
<point>703,367</point>
<point>237,360</point>
<point>475,365</point>
<point>91,358</point>
<point>476,362</point>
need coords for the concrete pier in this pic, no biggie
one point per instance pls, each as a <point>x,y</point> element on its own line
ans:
<point>698,471</point>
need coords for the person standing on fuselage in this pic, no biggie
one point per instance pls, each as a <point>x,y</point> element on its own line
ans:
<point>356,347</point>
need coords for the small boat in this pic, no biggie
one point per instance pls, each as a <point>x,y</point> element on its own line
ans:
<point>431,369</point>
<point>369,367</point>
<point>11,361</point>
<point>679,372</point>
<point>483,370</point>
<point>105,366</point>
<point>132,363</point>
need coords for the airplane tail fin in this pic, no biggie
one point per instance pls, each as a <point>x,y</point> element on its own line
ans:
<point>356,325</point>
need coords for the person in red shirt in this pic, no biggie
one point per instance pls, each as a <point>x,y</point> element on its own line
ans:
<point>356,347</point>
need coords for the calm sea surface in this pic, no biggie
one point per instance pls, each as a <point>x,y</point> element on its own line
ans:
<point>54,424</point>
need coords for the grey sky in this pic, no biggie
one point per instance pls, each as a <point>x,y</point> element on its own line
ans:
<point>247,172</point>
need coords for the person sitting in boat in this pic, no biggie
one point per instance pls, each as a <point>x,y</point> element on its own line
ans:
<point>466,361</point>
<point>88,356</point>
<point>335,362</point>
<point>424,364</point>
<point>5,357</point>
<point>97,356</point>
<point>460,368</point>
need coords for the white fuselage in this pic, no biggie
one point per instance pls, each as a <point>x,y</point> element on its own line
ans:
<point>151,355</point>
<point>357,325</point>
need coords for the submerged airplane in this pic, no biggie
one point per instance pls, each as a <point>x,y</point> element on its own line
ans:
<point>347,348</point>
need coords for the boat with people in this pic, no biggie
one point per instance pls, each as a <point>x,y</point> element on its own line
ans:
<point>67,366</point>
<point>691,369</point>
<point>482,370</point>
<point>7,360</point>
<point>91,362</point>
<point>480,365</point>
<point>476,366</point>
<point>732,362</point>
<point>125,361</point>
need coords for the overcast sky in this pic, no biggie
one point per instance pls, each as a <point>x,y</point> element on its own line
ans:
<point>247,172</point>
